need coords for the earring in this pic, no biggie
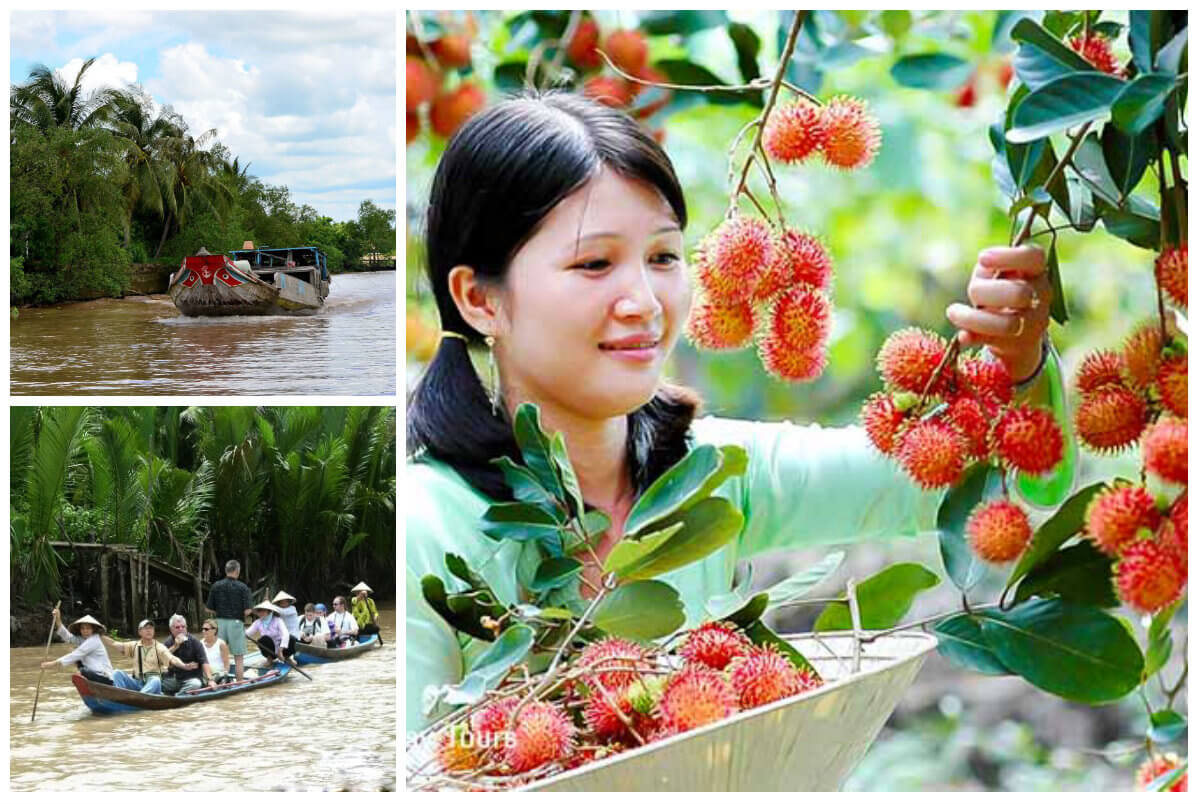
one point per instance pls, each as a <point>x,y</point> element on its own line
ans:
<point>493,374</point>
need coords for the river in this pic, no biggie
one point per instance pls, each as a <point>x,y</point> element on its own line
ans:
<point>144,345</point>
<point>337,732</point>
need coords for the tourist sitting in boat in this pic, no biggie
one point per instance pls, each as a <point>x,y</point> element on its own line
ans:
<point>287,610</point>
<point>313,628</point>
<point>343,625</point>
<point>189,649</point>
<point>270,632</point>
<point>90,657</point>
<point>217,651</point>
<point>150,660</point>
<point>364,611</point>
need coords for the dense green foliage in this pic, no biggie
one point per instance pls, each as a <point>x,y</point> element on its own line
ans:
<point>103,180</point>
<point>304,496</point>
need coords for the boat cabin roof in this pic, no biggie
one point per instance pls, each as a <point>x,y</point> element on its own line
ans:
<point>275,258</point>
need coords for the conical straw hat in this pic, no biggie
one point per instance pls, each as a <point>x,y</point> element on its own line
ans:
<point>90,620</point>
<point>269,606</point>
<point>282,596</point>
<point>362,587</point>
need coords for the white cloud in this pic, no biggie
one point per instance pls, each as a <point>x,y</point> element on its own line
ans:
<point>106,72</point>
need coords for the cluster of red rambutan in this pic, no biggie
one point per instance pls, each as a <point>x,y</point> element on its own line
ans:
<point>426,65</point>
<point>757,283</point>
<point>1155,767</point>
<point>629,52</point>
<point>624,696</point>
<point>1097,50</point>
<point>843,132</point>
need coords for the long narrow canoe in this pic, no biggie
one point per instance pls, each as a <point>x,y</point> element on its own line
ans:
<point>105,699</point>
<point>311,654</point>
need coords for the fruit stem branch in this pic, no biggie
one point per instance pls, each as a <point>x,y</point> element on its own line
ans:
<point>761,209</point>
<point>918,624</point>
<point>856,623</point>
<point>765,163</point>
<point>948,357</point>
<point>1182,679</point>
<point>569,34</point>
<point>808,96</point>
<point>1179,195</point>
<point>1162,242</point>
<point>1076,141</point>
<point>756,85</point>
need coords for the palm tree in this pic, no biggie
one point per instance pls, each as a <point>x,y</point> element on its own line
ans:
<point>45,101</point>
<point>144,135</point>
<point>192,180</point>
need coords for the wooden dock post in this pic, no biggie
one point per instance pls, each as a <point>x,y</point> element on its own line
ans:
<point>105,566</point>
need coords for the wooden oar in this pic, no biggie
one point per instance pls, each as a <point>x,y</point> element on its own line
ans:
<point>291,662</point>
<point>49,639</point>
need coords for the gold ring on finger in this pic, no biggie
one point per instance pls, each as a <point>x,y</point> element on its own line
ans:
<point>1020,326</point>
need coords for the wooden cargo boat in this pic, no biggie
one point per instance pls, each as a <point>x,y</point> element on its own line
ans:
<point>311,654</point>
<point>251,281</point>
<point>104,699</point>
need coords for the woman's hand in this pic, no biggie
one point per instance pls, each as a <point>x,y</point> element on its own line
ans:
<point>48,664</point>
<point>1010,307</point>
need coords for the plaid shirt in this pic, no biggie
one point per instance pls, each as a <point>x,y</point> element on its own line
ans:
<point>229,598</point>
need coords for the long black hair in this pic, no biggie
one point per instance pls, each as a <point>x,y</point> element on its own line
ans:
<point>501,174</point>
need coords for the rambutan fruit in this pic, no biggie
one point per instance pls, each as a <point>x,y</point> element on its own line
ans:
<point>882,420</point>
<point>628,50</point>
<point>619,660</point>
<point>1171,269</point>
<point>1115,515</point>
<point>602,718</point>
<point>1110,419</point>
<point>643,695</point>
<point>1028,439</point>
<point>1179,526</point>
<point>1173,384</point>
<point>788,364</point>
<point>609,90</point>
<point>490,724</point>
<point>420,83</point>
<point>714,644</point>
<point>853,136</point>
<point>795,131</point>
<point>763,675</point>
<point>542,734</point>
<point>1097,50</point>
<point>969,417</point>
<point>736,256</point>
<point>799,318</point>
<point>582,50</point>
<point>799,259</point>
<point>451,109</point>
<point>1164,449</point>
<point>1157,766</point>
<point>908,359</point>
<point>456,750</point>
<point>412,127</point>
<point>696,696</point>
<point>988,378</point>
<point>452,51</point>
<point>1141,354</point>
<point>932,454</point>
<point>998,531</point>
<point>1100,368</point>
<point>1149,576</point>
<point>720,326</point>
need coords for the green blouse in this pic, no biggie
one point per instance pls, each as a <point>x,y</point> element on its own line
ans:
<point>804,486</point>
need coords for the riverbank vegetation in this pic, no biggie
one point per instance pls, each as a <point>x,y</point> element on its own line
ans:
<point>304,497</point>
<point>105,179</point>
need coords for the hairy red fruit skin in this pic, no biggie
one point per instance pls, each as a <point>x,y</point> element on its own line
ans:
<point>932,454</point>
<point>882,420</point>
<point>621,659</point>
<point>608,90</point>
<point>853,134</point>
<point>1141,355</point>
<point>452,51</point>
<point>1173,384</point>
<point>412,127</point>
<point>541,734</point>
<point>602,718</point>
<point>998,531</point>
<point>696,696</point>
<point>1110,419</point>
<point>451,109</point>
<point>1179,527</point>
<point>969,417</point>
<point>796,131</point>
<point>455,749</point>
<point>1164,449</point>
<point>582,50</point>
<point>799,259</point>
<point>908,359</point>
<point>721,326</point>
<point>628,50</point>
<point>1097,50</point>
<point>1155,767</point>
<point>763,675</point>
<point>989,378</point>
<point>1100,368</point>
<point>800,318</point>
<point>1149,576</point>
<point>1028,439</point>
<point>1171,270</point>
<point>420,83</point>
<point>734,257</point>
<point>714,644</point>
<point>1115,515</point>
<point>791,365</point>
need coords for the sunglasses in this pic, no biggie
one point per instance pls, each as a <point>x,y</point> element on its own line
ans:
<point>206,628</point>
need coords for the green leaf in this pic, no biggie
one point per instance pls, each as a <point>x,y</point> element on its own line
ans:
<point>760,634</point>
<point>1082,213</point>
<point>1065,523</point>
<point>1062,103</point>
<point>1125,157</point>
<point>682,71</point>
<point>747,45</point>
<point>628,554</point>
<point>510,76</point>
<point>960,639</point>
<point>566,473</point>
<point>1141,102</point>
<point>932,71</point>
<point>595,522</point>
<point>707,527</point>
<point>1170,59</point>
<point>895,22</point>
<point>524,485</point>
<point>1079,573</point>
<point>522,522</point>
<point>1166,726</point>
<point>882,599</point>
<point>641,610</point>
<point>1076,652</point>
<point>1089,161</point>
<point>459,569</point>
<point>751,611</point>
<point>1138,226</point>
<point>1041,57</point>
<point>555,572</point>
<point>462,619</point>
<point>535,448</point>
<point>1058,300</point>
<point>962,566</point>
<point>493,665</point>
<point>658,23</point>
<point>692,479</point>
<point>797,586</point>
<point>1159,642</point>
<point>1147,29</point>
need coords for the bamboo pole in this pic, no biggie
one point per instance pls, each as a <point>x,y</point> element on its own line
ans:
<point>105,567</point>
<point>49,639</point>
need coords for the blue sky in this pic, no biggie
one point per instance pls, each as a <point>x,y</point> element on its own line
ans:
<point>309,100</point>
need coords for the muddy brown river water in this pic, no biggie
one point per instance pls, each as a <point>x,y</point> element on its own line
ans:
<point>144,345</point>
<point>337,732</point>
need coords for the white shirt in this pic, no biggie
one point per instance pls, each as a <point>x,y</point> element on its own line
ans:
<point>90,652</point>
<point>344,622</point>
